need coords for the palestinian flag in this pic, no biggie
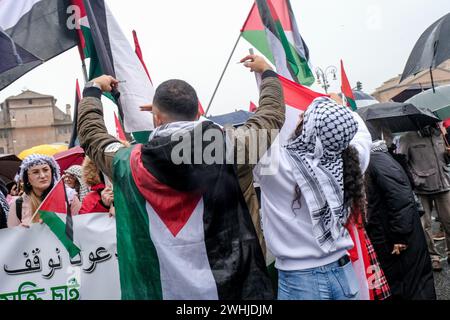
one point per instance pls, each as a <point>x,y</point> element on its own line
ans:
<point>297,99</point>
<point>184,231</point>
<point>111,53</point>
<point>347,90</point>
<point>252,107</point>
<point>50,211</point>
<point>271,28</point>
<point>32,32</point>
<point>74,137</point>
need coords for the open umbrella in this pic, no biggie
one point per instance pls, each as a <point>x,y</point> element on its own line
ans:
<point>438,102</point>
<point>45,149</point>
<point>432,49</point>
<point>68,158</point>
<point>9,165</point>
<point>398,117</point>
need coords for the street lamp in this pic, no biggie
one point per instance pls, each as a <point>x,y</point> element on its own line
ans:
<point>322,76</point>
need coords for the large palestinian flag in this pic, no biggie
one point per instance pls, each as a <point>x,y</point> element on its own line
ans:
<point>184,231</point>
<point>271,28</point>
<point>102,40</point>
<point>32,32</point>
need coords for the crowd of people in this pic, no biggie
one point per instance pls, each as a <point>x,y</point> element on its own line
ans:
<point>342,208</point>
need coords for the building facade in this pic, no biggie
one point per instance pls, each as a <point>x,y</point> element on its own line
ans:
<point>30,119</point>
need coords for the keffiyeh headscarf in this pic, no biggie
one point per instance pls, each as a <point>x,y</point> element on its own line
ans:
<point>39,159</point>
<point>76,171</point>
<point>316,154</point>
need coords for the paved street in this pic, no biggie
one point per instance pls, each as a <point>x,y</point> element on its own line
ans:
<point>442,279</point>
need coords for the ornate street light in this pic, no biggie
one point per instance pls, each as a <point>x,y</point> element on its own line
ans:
<point>322,76</point>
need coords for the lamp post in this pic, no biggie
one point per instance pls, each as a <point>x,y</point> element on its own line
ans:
<point>322,76</point>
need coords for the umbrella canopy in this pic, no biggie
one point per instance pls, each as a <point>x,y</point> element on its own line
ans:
<point>9,166</point>
<point>432,48</point>
<point>236,119</point>
<point>438,102</point>
<point>45,149</point>
<point>398,117</point>
<point>68,158</point>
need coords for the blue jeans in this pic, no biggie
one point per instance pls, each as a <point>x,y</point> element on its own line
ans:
<point>329,282</point>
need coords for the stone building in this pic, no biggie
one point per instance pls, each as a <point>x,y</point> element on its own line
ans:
<point>393,90</point>
<point>31,119</point>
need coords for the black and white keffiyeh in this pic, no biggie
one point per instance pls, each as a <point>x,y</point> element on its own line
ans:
<point>168,129</point>
<point>316,154</point>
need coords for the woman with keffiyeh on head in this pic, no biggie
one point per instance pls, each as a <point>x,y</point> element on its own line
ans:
<point>307,203</point>
<point>39,173</point>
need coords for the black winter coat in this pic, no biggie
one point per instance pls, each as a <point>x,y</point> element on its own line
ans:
<point>393,219</point>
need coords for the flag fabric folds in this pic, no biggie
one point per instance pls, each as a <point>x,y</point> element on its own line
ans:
<point>32,32</point>
<point>111,53</point>
<point>272,29</point>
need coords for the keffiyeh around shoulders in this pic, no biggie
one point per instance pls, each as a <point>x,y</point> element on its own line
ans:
<point>316,155</point>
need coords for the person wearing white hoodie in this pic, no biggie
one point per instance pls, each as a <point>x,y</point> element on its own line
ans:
<point>307,201</point>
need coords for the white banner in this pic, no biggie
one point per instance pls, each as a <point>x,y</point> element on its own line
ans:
<point>35,265</point>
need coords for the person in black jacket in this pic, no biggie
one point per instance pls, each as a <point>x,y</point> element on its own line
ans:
<point>394,227</point>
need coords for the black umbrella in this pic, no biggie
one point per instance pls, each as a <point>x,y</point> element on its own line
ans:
<point>432,49</point>
<point>398,117</point>
<point>9,165</point>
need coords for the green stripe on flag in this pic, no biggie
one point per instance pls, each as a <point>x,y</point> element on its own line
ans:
<point>138,259</point>
<point>258,39</point>
<point>58,227</point>
<point>352,103</point>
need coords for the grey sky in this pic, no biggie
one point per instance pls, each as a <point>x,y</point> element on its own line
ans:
<point>192,40</point>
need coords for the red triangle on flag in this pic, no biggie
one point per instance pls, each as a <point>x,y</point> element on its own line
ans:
<point>56,199</point>
<point>138,51</point>
<point>298,96</point>
<point>201,112</point>
<point>252,107</point>
<point>173,207</point>
<point>120,134</point>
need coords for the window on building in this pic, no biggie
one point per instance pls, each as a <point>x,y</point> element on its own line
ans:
<point>2,150</point>
<point>30,101</point>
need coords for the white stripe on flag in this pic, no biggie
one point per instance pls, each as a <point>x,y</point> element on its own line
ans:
<point>137,89</point>
<point>183,260</point>
<point>12,10</point>
<point>279,55</point>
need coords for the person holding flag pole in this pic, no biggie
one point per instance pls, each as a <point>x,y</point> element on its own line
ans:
<point>184,230</point>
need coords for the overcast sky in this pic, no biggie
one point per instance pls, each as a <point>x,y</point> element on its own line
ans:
<point>192,40</point>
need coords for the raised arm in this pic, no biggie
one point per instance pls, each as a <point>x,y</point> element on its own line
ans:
<point>94,138</point>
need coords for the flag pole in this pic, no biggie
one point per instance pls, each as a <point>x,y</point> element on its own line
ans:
<point>223,73</point>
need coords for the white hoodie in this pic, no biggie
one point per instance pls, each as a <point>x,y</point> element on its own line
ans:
<point>288,233</point>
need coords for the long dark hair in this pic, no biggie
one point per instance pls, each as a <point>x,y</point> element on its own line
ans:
<point>354,187</point>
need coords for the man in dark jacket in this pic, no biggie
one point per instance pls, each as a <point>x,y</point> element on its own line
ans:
<point>394,227</point>
<point>427,160</point>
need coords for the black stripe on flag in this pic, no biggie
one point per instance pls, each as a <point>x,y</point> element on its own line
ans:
<point>297,36</point>
<point>43,33</point>
<point>269,23</point>
<point>96,14</point>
